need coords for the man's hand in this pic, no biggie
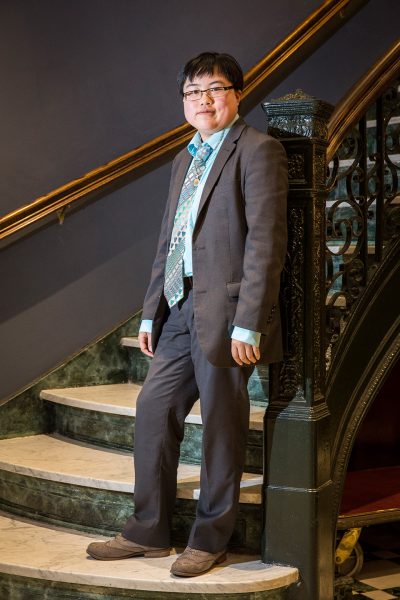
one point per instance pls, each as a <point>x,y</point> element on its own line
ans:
<point>145,343</point>
<point>243,353</point>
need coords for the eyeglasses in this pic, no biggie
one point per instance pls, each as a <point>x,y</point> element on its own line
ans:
<point>213,92</point>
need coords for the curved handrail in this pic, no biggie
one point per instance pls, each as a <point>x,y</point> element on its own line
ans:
<point>355,103</point>
<point>316,24</point>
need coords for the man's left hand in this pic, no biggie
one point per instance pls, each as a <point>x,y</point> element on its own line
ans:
<point>244,354</point>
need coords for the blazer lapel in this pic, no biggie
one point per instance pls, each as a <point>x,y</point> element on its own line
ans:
<point>227,148</point>
<point>176,187</point>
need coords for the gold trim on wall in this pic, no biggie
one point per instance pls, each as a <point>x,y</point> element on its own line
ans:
<point>317,25</point>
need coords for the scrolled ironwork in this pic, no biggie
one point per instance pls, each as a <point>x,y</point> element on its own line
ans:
<point>391,126</point>
<point>362,209</point>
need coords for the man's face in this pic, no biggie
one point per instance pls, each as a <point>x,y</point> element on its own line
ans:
<point>210,115</point>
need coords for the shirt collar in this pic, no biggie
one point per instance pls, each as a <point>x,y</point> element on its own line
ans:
<point>213,140</point>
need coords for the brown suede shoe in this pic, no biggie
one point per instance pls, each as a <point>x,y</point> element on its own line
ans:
<point>194,562</point>
<point>119,548</point>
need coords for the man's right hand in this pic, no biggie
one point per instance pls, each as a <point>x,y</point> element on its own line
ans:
<point>145,343</point>
<point>243,353</point>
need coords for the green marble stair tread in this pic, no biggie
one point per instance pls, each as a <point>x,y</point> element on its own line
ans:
<point>121,399</point>
<point>55,458</point>
<point>55,554</point>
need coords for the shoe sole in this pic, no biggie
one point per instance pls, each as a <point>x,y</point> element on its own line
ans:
<point>219,560</point>
<point>147,554</point>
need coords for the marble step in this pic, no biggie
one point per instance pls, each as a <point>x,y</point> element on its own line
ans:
<point>139,365</point>
<point>104,415</point>
<point>51,563</point>
<point>71,483</point>
<point>130,342</point>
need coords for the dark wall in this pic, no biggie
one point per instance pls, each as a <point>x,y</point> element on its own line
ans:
<point>86,82</point>
<point>90,80</point>
<point>344,57</point>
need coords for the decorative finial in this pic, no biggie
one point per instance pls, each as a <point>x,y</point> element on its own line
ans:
<point>298,94</point>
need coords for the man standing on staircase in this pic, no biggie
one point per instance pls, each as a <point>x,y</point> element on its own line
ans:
<point>210,314</point>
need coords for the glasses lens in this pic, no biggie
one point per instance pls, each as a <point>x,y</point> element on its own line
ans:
<point>193,95</point>
<point>216,92</point>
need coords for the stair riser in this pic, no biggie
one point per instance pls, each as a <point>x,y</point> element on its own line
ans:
<point>13,587</point>
<point>258,383</point>
<point>105,511</point>
<point>116,431</point>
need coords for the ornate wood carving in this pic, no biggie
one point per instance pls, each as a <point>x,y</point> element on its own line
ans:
<point>292,368</point>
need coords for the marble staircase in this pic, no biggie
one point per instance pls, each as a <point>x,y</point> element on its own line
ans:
<point>104,415</point>
<point>61,489</point>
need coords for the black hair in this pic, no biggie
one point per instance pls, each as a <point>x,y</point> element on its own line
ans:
<point>208,62</point>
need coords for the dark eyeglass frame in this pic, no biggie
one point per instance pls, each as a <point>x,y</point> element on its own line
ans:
<point>212,92</point>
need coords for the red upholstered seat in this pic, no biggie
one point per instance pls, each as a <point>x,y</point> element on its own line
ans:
<point>371,490</point>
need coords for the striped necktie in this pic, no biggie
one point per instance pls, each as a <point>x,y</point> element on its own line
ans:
<point>173,284</point>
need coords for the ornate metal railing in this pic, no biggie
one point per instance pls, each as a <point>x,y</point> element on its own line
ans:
<point>363,207</point>
<point>313,30</point>
<point>343,214</point>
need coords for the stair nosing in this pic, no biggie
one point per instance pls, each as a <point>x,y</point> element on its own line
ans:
<point>64,396</point>
<point>188,483</point>
<point>130,341</point>
<point>67,562</point>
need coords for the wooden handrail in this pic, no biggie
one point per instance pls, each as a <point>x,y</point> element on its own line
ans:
<point>356,102</point>
<point>314,26</point>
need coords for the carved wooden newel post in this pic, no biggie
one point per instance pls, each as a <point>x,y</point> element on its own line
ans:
<point>297,485</point>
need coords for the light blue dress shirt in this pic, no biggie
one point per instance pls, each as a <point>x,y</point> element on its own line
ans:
<point>215,141</point>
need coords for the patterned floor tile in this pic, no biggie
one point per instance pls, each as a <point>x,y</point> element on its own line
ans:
<point>379,595</point>
<point>384,580</point>
<point>379,578</point>
<point>395,591</point>
<point>358,586</point>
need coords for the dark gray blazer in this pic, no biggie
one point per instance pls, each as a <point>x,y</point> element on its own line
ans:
<point>239,246</point>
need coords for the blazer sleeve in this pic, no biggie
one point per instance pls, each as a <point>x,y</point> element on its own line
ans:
<point>156,285</point>
<point>155,289</point>
<point>265,197</point>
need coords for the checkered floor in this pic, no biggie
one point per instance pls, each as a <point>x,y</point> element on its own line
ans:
<point>379,578</point>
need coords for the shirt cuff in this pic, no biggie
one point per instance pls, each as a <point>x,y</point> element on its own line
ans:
<point>246,335</point>
<point>146,326</point>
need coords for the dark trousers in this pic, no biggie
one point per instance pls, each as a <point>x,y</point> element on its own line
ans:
<point>179,373</point>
